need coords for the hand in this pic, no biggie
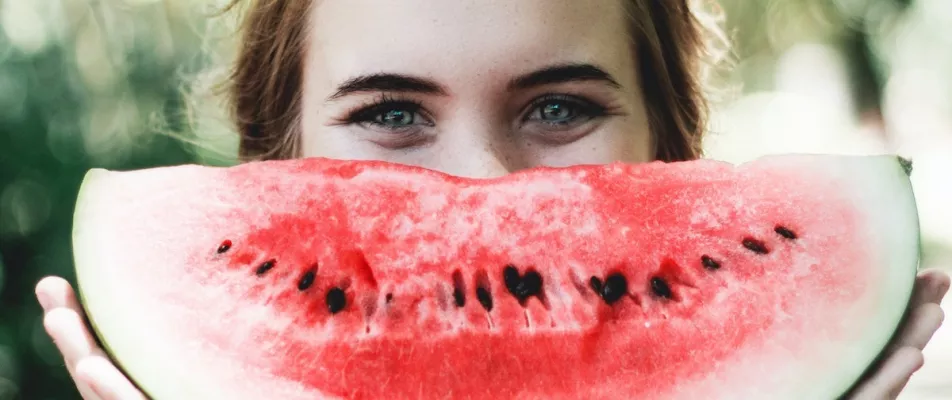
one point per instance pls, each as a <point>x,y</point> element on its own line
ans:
<point>95,376</point>
<point>904,355</point>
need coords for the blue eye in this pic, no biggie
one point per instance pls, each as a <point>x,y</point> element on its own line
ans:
<point>390,114</point>
<point>564,110</point>
<point>396,117</point>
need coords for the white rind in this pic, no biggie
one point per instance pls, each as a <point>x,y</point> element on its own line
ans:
<point>164,368</point>
<point>883,193</point>
<point>109,316</point>
<point>893,212</point>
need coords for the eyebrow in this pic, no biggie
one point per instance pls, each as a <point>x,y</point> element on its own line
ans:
<point>563,74</point>
<point>389,82</point>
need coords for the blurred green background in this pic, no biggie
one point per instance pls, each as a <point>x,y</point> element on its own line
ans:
<point>87,83</point>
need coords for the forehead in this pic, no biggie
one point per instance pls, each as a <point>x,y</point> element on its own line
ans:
<point>466,38</point>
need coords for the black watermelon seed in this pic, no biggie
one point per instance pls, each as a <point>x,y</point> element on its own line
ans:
<point>710,263</point>
<point>785,232</point>
<point>264,267</point>
<point>306,280</point>
<point>510,275</point>
<point>336,300</point>
<point>388,298</point>
<point>459,289</point>
<point>596,285</point>
<point>755,246</point>
<point>224,246</point>
<point>660,288</point>
<point>522,287</point>
<point>484,298</point>
<point>532,283</point>
<point>616,286</point>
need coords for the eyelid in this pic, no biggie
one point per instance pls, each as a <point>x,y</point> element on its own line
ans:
<point>382,103</point>
<point>364,119</point>
<point>588,106</point>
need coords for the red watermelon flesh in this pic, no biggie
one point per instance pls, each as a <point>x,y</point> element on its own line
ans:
<point>315,278</point>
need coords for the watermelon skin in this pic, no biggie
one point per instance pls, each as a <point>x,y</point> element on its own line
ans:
<point>169,267</point>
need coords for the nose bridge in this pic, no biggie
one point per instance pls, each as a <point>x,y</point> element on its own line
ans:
<point>477,149</point>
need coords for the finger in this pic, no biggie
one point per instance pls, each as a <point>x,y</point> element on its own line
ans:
<point>54,292</point>
<point>931,286</point>
<point>921,325</point>
<point>106,380</point>
<point>70,335</point>
<point>897,389</point>
<point>892,376</point>
<point>59,324</point>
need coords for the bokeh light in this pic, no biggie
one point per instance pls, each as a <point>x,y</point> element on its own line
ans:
<point>24,208</point>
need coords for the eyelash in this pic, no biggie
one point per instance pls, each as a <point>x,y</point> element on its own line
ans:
<point>368,113</point>
<point>590,108</point>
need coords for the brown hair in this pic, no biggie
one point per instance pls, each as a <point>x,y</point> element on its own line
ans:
<point>265,87</point>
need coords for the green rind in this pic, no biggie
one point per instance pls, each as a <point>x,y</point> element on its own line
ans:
<point>90,180</point>
<point>906,167</point>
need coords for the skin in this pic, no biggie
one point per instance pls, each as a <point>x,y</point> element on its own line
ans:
<point>484,112</point>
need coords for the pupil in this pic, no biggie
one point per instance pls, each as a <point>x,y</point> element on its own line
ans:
<point>555,111</point>
<point>397,117</point>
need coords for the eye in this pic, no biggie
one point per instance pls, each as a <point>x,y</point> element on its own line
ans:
<point>390,115</point>
<point>562,111</point>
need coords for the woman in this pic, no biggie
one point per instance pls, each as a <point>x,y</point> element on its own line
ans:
<point>477,88</point>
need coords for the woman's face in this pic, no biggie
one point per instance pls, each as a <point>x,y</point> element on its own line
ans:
<point>476,88</point>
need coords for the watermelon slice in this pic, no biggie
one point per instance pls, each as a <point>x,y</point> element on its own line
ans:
<point>308,279</point>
